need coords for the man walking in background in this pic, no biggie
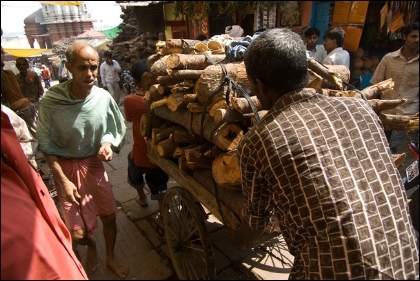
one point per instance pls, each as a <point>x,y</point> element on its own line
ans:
<point>110,78</point>
<point>46,76</point>
<point>29,81</point>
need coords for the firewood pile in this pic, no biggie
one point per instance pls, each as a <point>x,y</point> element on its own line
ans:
<point>132,42</point>
<point>192,122</point>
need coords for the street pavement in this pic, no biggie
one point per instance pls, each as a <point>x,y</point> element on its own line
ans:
<point>141,240</point>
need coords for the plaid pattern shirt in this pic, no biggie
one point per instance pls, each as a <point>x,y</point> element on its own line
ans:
<point>324,166</point>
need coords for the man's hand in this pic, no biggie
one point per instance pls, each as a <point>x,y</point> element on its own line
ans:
<point>105,152</point>
<point>71,194</point>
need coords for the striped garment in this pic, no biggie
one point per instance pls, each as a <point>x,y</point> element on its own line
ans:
<point>324,165</point>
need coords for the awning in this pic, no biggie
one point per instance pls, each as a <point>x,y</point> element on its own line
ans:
<point>62,3</point>
<point>20,52</point>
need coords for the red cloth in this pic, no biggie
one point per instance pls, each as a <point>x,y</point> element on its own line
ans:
<point>35,243</point>
<point>134,108</point>
<point>45,73</point>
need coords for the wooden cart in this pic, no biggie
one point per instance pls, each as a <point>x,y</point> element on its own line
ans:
<point>184,221</point>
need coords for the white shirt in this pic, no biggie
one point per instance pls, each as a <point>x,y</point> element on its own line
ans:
<point>109,73</point>
<point>317,53</point>
<point>338,56</point>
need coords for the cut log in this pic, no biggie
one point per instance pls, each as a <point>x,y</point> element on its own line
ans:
<point>155,132</point>
<point>377,90</point>
<point>185,74</point>
<point>242,105</point>
<point>182,163</point>
<point>152,96</point>
<point>163,89</point>
<point>179,151</point>
<point>199,164</point>
<point>212,78</point>
<point>334,82</point>
<point>191,61</point>
<point>226,135</point>
<point>178,88</point>
<point>381,105</point>
<point>159,103</point>
<point>180,101</point>
<point>168,81</point>
<point>398,159</point>
<point>184,136</point>
<point>218,105</point>
<point>196,152</point>
<point>166,147</point>
<point>167,132</point>
<point>168,51</point>
<point>195,107</point>
<point>314,80</point>
<point>226,171</point>
<point>159,68</point>
<point>148,122</point>
<point>227,115</point>
<point>406,123</point>
<point>152,59</point>
<point>232,198</point>
<point>147,80</point>
<point>340,71</point>
<point>186,44</point>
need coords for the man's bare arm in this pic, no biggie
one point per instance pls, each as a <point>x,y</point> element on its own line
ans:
<point>70,190</point>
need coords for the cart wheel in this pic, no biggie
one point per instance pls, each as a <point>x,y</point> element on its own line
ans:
<point>187,237</point>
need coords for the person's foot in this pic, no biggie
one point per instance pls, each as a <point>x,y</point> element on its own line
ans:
<point>119,269</point>
<point>142,201</point>
<point>91,258</point>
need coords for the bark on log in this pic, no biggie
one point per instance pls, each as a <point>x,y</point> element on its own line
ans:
<point>179,101</point>
<point>199,164</point>
<point>152,96</point>
<point>195,107</point>
<point>168,51</point>
<point>191,61</point>
<point>178,88</point>
<point>147,80</point>
<point>377,90</point>
<point>152,59</point>
<point>196,152</point>
<point>159,103</point>
<point>381,105</point>
<point>179,151</point>
<point>166,147</point>
<point>148,122</point>
<point>226,171</point>
<point>185,74</point>
<point>167,132</point>
<point>242,105</point>
<point>188,46</point>
<point>226,135</point>
<point>340,71</point>
<point>213,76</point>
<point>228,115</point>
<point>232,198</point>
<point>335,82</point>
<point>184,137</point>
<point>163,89</point>
<point>406,123</point>
<point>168,81</point>
<point>159,68</point>
<point>314,80</point>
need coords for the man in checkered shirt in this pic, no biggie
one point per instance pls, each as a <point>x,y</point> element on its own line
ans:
<point>323,165</point>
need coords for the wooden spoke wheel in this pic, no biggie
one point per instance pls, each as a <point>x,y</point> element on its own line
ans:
<point>187,237</point>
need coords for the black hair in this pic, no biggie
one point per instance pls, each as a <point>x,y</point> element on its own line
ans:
<point>108,54</point>
<point>275,53</point>
<point>312,31</point>
<point>137,70</point>
<point>411,27</point>
<point>336,34</point>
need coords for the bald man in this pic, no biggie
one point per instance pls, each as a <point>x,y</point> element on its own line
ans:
<point>79,126</point>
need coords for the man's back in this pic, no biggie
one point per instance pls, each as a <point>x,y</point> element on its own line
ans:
<point>325,165</point>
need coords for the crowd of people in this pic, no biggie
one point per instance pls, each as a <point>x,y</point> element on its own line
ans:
<point>310,161</point>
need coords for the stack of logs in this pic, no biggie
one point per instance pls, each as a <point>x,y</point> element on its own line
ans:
<point>202,133</point>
